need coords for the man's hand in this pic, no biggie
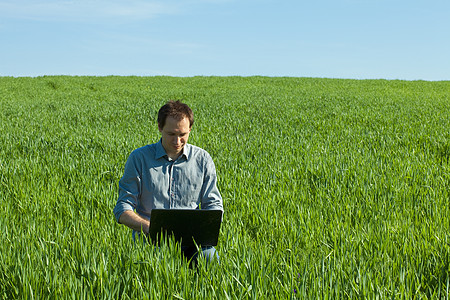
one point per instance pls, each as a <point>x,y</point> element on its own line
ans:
<point>134,221</point>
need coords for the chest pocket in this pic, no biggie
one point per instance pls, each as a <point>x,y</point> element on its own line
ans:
<point>190,185</point>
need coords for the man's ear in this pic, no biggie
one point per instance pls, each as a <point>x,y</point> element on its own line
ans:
<point>159,128</point>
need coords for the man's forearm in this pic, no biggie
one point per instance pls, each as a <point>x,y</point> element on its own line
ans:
<point>134,221</point>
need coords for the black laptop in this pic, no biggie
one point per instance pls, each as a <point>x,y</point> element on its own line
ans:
<point>188,226</point>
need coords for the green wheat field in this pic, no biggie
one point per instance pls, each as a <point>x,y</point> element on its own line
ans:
<point>332,188</point>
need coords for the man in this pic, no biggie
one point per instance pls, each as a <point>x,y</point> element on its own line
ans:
<point>169,174</point>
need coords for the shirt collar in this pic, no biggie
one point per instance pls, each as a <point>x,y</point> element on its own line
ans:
<point>160,152</point>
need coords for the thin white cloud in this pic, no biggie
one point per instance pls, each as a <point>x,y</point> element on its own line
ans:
<point>84,10</point>
<point>138,44</point>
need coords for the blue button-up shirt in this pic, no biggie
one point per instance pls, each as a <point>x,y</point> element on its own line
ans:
<point>152,180</point>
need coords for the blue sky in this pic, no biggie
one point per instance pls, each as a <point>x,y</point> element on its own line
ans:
<point>361,39</point>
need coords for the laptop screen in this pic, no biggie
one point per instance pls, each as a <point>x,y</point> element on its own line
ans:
<point>188,226</point>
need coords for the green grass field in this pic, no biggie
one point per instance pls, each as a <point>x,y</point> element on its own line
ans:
<point>332,188</point>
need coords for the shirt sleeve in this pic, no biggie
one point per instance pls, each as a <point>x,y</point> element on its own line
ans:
<point>211,198</point>
<point>129,187</point>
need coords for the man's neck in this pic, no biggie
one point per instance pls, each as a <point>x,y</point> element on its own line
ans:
<point>174,156</point>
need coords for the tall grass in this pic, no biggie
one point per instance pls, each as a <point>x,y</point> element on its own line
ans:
<point>332,188</point>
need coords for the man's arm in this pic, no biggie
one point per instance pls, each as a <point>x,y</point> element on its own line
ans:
<point>129,190</point>
<point>134,221</point>
<point>211,198</point>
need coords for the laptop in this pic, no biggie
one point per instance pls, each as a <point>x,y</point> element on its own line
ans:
<point>189,226</point>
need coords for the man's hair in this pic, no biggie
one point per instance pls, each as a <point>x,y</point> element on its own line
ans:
<point>176,110</point>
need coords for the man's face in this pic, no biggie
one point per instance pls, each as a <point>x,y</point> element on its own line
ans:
<point>175,134</point>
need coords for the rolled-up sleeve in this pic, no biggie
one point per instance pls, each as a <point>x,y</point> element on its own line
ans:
<point>211,198</point>
<point>129,188</point>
